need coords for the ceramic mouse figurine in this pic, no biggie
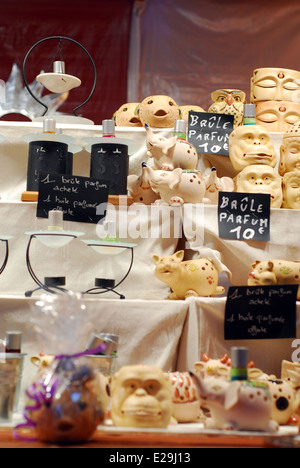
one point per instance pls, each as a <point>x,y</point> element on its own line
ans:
<point>176,187</point>
<point>170,153</point>
<point>158,111</point>
<point>198,277</point>
<point>236,405</point>
<point>275,272</point>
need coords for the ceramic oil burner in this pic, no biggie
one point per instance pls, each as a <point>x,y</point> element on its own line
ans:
<point>291,190</point>
<point>251,144</point>
<point>236,405</point>
<point>126,115</point>
<point>170,153</point>
<point>213,367</point>
<point>141,397</point>
<point>197,277</point>
<point>290,150</point>
<point>158,111</point>
<point>184,110</point>
<point>176,187</point>
<point>259,178</point>
<point>283,402</point>
<point>230,102</point>
<point>275,272</point>
<point>275,84</point>
<point>140,189</point>
<point>186,404</point>
<point>214,185</point>
<point>277,116</point>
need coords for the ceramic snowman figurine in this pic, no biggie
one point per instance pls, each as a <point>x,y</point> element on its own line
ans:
<point>170,153</point>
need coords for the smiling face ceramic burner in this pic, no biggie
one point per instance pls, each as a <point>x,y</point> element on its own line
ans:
<point>251,144</point>
<point>291,190</point>
<point>290,150</point>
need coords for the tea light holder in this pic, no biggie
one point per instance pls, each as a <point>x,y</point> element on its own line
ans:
<point>54,237</point>
<point>109,247</point>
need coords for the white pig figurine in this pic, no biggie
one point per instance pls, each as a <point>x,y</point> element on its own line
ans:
<point>236,405</point>
<point>176,187</point>
<point>198,277</point>
<point>169,153</point>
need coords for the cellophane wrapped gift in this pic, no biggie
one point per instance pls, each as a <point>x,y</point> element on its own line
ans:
<point>68,398</point>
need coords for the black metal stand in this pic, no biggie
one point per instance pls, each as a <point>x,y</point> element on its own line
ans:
<point>50,284</point>
<point>6,255</point>
<point>106,285</point>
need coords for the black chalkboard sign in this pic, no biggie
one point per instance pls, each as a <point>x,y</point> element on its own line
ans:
<point>78,197</point>
<point>260,312</point>
<point>244,216</point>
<point>209,132</point>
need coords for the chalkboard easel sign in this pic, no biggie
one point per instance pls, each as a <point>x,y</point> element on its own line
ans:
<point>77,197</point>
<point>244,216</point>
<point>209,132</point>
<point>260,312</point>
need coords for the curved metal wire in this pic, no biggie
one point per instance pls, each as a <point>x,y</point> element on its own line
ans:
<point>60,38</point>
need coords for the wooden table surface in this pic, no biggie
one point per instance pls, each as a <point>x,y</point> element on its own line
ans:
<point>116,439</point>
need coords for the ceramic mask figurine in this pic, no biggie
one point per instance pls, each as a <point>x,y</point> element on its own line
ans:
<point>186,404</point>
<point>141,397</point>
<point>261,179</point>
<point>275,84</point>
<point>140,189</point>
<point>275,272</point>
<point>291,190</point>
<point>176,187</point>
<point>158,111</point>
<point>236,405</point>
<point>251,144</point>
<point>230,102</point>
<point>214,185</point>
<point>184,110</point>
<point>170,153</point>
<point>277,116</point>
<point>290,150</point>
<point>198,277</point>
<point>126,115</point>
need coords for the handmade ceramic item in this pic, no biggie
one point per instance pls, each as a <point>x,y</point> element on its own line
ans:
<point>275,84</point>
<point>176,187</point>
<point>236,405</point>
<point>277,116</point>
<point>141,397</point>
<point>140,189</point>
<point>214,185</point>
<point>158,111</point>
<point>185,401</point>
<point>291,190</point>
<point>290,150</point>
<point>251,144</point>
<point>275,272</point>
<point>259,178</point>
<point>198,277</point>
<point>230,102</point>
<point>213,367</point>
<point>283,402</point>
<point>170,153</point>
<point>184,110</point>
<point>126,115</point>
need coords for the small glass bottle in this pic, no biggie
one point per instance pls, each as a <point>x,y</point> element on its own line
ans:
<point>249,114</point>
<point>180,129</point>
<point>13,340</point>
<point>108,128</point>
<point>239,370</point>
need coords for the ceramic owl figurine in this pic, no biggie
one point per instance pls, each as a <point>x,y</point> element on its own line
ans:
<point>230,102</point>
